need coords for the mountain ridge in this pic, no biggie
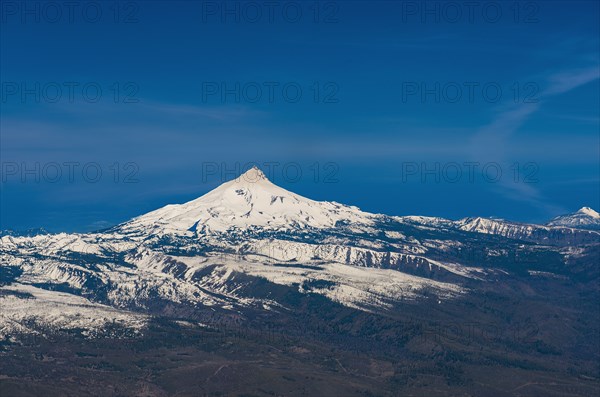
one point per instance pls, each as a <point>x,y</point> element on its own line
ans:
<point>251,194</point>
<point>584,218</point>
<point>308,280</point>
<point>217,250</point>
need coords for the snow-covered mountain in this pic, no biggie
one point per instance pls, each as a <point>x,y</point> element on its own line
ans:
<point>550,234</point>
<point>249,201</point>
<point>251,246</point>
<point>585,218</point>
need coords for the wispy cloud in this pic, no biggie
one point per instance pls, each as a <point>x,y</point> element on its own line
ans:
<point>492,142</point>
<point>569,80</point>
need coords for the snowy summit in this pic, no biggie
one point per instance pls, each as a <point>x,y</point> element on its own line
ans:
<point>249,200</point>
<point>585,218</point>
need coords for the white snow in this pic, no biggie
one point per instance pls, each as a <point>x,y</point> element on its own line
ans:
<point>50,311</point>
<point>584,218</point>
<point>249,200</point>
<point>354,261</point>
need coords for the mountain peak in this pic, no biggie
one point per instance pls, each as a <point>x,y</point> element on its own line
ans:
<point>588,211</point>
<point>585,218</point>
<point>248,201</point>
<point>254,174</point>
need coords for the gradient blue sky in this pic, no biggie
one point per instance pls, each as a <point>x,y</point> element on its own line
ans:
<point>371,53</point>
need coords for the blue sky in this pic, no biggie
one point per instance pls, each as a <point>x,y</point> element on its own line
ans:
<point>405,107</point>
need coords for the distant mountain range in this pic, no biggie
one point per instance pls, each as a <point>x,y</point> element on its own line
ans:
<point>196,253</point>
<point>585,218</point>
<point>250,249</point>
